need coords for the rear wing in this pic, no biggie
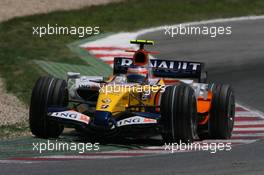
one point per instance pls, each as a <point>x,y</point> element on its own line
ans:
<point>164,68</point>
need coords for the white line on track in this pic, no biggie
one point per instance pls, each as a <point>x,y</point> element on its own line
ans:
<point>246,113</point>
<point>109,52</point>
<point>249,135</point>
<point>248,129</point>
<point>15,161</point>
<point>260,122</point>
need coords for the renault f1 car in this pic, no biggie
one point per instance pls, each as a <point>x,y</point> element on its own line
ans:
<point>143,97</point>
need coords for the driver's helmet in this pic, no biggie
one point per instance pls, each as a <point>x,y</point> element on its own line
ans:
<point>137,74</point>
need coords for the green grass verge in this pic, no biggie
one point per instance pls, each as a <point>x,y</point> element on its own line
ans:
<point>19,48</point>
<point>10,131</point>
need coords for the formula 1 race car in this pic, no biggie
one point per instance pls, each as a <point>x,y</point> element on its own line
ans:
<point>143,97</point>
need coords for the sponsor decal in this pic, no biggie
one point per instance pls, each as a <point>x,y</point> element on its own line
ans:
<point>159,64</point>
<point>106,100</point>
<point>86,82</point>
<point>104,106</point>
<point>83,82</point>
<point>72,115</point>
<point>136,120</point>
<point>149,120</point>
<point>145,96</point>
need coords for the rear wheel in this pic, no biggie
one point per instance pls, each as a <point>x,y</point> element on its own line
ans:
<point>222,114</point>
<point>179,114</point>
<point>47,91</point>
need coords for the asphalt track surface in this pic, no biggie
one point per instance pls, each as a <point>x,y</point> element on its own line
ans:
<point>237,60</point>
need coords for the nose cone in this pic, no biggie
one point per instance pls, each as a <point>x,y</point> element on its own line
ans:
<point>103,119</point>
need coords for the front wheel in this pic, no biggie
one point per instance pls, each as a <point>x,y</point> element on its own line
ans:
<point>48,91</point>
<point>179,114</point>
